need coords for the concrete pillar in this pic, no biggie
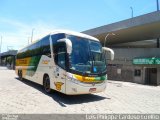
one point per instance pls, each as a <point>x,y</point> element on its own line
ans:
<point>157,42</point>
<point>143,75</point>
<point>5,61</point>
<point>14,62</point>
<point>158,76</point>
<point>0,61</point>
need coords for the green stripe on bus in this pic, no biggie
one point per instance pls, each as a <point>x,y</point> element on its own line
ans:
<point>100,78</point>
<point>33,64</point>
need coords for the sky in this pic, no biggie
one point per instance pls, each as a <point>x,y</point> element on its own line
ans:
<point>18,18</point>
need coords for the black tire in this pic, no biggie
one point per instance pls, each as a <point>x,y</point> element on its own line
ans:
<point>46,84</point>
<point>20,75</point>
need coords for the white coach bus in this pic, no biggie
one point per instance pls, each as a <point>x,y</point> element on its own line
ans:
<point>65,61</point>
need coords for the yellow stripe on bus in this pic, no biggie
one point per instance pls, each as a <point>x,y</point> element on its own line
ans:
<point>85,79</point>
<point>23,64</point>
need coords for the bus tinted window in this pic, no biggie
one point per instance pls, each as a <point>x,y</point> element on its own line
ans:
<point>35,49</point>
<point>45,46</point>
<point>57,37</point>
<point>41,47</point>
<point>38,48</point>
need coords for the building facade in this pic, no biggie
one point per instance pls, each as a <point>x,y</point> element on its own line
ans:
<point>8,59</point>
<point>139,65</point>
<point>137,48</point>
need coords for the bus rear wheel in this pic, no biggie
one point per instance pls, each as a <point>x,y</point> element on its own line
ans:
<point>20,74</point>
<point>46,84</point>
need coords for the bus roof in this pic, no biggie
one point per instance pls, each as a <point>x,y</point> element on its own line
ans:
<point>74,33</point>
<point>65,32</point>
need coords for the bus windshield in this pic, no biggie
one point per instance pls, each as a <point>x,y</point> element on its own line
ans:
<point>86,56</point>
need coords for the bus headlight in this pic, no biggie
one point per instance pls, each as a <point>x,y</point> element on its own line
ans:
<point>73,80</point>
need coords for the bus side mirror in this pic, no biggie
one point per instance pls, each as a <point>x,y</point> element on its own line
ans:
<point>105,50</point>
<point>68,45</point>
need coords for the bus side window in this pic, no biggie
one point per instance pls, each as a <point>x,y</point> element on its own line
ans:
<point>60,56</point>
<point>46,46</point>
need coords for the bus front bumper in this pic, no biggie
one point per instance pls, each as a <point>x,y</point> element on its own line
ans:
<point>84,88</point>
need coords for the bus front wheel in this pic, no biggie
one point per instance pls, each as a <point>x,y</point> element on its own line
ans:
<point>46,84</point>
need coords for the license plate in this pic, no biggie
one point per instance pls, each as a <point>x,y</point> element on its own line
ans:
<point>92,89</point>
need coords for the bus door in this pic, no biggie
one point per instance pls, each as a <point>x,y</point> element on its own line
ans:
<point>60,56</point>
